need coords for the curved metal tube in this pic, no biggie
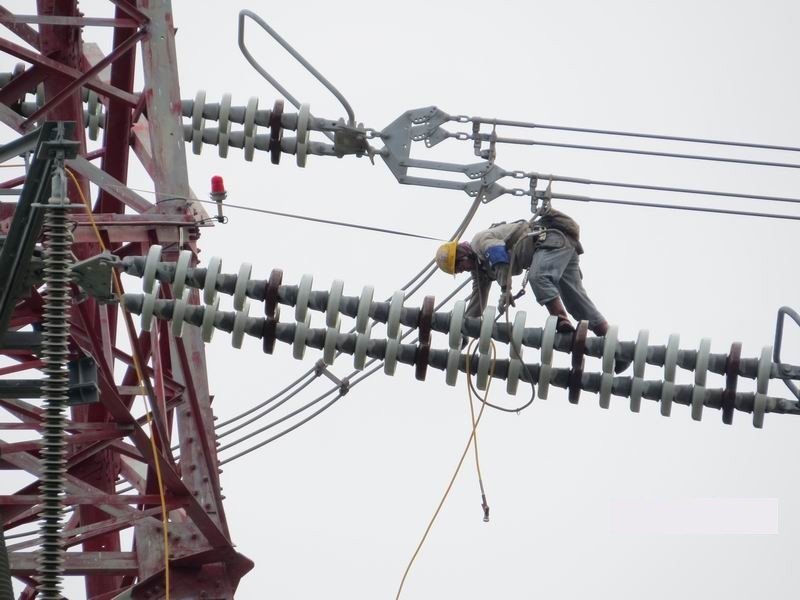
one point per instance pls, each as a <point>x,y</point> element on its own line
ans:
<point>299,57</point>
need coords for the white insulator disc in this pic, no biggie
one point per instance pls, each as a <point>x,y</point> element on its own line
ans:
<point>607,378</point>
<point>334,301</point>
<point>451,374</point>
<point>487,325</point>
<point>300,334</point>
<point>178,312</point>
<point>181,268</point>
<point>548,340</point>
<point>639,363</point>
<point>210,284</point>
<point>482,376</point>
<point>198,122</point>
<point>700,372</point>
<point>239,323</point>
<point>303,134</point>
<point>150,266</point>
<point>240,291</point>
<point>209,316</point>
<point>148,303</point>
<point>456,322</point>
<point>762,384</point>
<point>224,125</point>
<point>670,364</point>
<point>303,293</point>
<point>364,308</point>
<point>395,309</point>
<point>360,353</point>
<point>390,358</point>
<point>250,128</point>
<point>329,347</point>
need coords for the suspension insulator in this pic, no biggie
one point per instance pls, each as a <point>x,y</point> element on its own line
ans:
<point>55,349</point>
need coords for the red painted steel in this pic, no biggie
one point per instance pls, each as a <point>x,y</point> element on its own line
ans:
<point>107,443</point>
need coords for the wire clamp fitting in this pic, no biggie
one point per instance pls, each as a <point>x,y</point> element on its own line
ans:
<point>320,368</point>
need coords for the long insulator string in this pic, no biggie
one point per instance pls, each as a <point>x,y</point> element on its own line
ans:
<point>55,351</point>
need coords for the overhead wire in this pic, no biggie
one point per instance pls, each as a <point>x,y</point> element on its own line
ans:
<point>359,377</point>
<point>722,211</point>
<point>655,136</point>
<point>704,157</point>
<point>660,188</point>
<point>425,273</point>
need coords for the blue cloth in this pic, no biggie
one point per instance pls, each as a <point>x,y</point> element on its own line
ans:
<point>497,255</point>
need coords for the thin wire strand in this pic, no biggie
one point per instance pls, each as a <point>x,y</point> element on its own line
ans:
<point>659,188</point>
<point>267,410</point>
<point>722,211</point>
<point>654,136</point>
<point>359,377</point>
<point>250,411</point>
<point>426,271</point>
<point>524,142</point>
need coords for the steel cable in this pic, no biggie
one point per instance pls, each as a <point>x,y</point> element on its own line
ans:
<point>524,142</point>
<point>360,376</point>
<point>659,188</point>
<point>654,136</point>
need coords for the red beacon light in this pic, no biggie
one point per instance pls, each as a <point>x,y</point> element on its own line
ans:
<point>218,194</point>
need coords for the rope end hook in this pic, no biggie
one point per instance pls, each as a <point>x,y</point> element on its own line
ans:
<point>485,508</point>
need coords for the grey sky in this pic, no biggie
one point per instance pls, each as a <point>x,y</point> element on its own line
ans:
<point>336,508</point>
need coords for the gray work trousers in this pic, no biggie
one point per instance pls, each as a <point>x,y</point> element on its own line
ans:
<point>555,272</point>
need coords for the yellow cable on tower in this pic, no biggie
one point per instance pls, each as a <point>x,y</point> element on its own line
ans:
<point>140,376</point>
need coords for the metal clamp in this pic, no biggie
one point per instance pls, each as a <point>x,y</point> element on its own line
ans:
<point>776,353</point>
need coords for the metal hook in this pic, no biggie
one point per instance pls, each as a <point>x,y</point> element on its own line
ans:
<point>255,64</point>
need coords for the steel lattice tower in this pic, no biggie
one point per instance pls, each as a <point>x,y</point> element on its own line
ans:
<point>106,445</point>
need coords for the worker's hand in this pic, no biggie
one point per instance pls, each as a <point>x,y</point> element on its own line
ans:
<point>506,300</point>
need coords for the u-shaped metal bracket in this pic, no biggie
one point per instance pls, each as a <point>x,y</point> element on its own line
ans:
<point>297,56</point>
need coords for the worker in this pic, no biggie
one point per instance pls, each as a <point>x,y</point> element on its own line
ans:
<point>549,246</point>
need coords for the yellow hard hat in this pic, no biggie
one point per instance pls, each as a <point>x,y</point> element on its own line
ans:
<point>446,257</point>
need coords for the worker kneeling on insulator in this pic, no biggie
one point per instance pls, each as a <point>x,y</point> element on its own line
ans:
<point>548,246</point>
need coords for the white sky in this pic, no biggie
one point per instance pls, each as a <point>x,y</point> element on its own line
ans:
<point>579,495</point>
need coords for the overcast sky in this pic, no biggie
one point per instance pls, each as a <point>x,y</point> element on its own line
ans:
<point>585,501</point>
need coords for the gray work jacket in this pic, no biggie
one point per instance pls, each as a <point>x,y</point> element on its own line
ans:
<point>521,239</point>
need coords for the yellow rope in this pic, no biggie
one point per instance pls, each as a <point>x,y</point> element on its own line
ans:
<point>140,376</point>
<point>472,436</point>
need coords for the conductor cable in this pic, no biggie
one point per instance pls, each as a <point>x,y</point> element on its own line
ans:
<point>653,136</point>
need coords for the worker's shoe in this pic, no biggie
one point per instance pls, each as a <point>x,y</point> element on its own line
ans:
<point>620,364</point>
<point>556,308</point>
